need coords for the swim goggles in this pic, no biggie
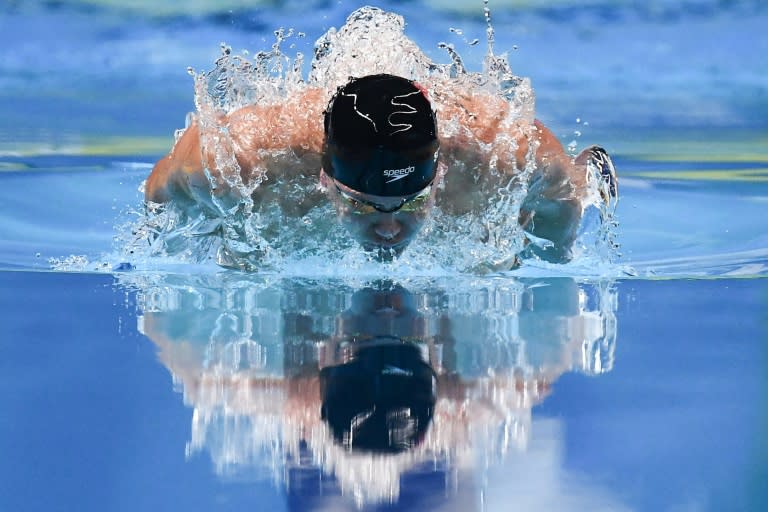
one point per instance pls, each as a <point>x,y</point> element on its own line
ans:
<point>365,204</point>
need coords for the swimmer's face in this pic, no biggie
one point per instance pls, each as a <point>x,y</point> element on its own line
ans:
<point>386,233</point>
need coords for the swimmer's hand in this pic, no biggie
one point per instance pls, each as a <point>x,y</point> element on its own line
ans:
<point>599,166</point>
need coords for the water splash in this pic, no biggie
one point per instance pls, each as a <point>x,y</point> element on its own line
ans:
<point>599,228</point>
<point>236,231</point>
<point>71,263</point>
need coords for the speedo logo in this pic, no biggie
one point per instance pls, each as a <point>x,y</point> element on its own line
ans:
<point>398,174</point>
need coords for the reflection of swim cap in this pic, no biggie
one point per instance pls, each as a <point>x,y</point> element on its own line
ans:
<point>381,137</point>
<point>381,401</point>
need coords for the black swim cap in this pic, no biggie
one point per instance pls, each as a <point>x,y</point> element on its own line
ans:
<point>381,137</point>
<point>382,401</point>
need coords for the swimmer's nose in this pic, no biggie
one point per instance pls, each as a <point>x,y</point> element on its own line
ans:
<point>387,227</point>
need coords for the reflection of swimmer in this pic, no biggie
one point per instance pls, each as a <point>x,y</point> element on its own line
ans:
<point>382,400</point>
<point>382,155</point>
<point>370,384</point>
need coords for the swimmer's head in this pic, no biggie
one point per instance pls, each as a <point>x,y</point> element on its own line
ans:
<point>381,401</point>
<point>380,153</point>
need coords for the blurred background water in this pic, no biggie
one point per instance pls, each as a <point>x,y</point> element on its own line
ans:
<point>685,64</point>
<point>672,414</point>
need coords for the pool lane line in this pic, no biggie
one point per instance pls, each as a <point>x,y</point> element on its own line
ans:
<point>751,175</point>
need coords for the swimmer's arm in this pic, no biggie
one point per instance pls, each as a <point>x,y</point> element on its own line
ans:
<point>553,206</point>
<point>264,139</point>
<point>480,135</point>
<point>180,176</point>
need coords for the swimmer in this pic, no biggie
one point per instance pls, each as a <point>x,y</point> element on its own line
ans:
<point>381,157</point>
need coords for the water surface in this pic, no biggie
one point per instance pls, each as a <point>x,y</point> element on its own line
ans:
<point>131,383</point>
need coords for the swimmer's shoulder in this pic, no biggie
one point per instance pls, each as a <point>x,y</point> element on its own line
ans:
<point>473,126</point>
<point>293,123</point>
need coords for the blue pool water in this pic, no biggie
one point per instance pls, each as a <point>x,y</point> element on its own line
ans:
<point>136,383</point>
